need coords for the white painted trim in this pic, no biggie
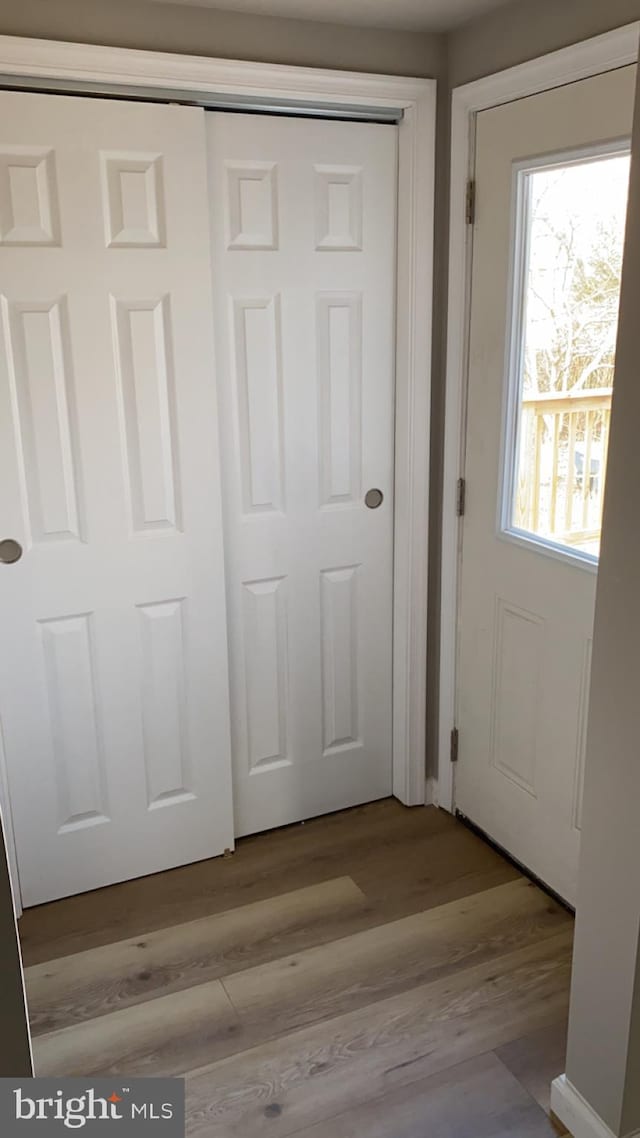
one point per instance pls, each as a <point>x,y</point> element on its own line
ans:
<point>576,1114</point>
<point>82,66</point>
<point>416,189</point>
<point>90,64</point>
<point>431,798</point>
<point>602,53</point>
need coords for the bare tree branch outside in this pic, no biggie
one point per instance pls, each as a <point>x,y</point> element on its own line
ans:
<point>575,229</point>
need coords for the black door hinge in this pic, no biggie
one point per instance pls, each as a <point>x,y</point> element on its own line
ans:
<point>471,202</point>
<point>455,741</point>
<point>461,497</point>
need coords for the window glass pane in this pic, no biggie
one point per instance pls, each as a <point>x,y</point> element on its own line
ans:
<point>572,242</point>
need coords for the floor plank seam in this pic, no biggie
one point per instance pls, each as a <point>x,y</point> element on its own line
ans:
<point>352,967</point>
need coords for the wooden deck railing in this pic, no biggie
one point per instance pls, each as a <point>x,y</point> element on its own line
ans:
<point>563,462</point>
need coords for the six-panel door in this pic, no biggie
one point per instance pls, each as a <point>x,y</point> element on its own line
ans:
<point>113,672</point>
<point>303,220</point>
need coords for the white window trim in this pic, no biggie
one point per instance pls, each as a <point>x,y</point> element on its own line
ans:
<point>90,68</point>
<point>618,48</point>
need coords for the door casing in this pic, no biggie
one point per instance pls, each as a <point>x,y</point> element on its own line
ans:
<point>614,49</point>
<point>90,69</point>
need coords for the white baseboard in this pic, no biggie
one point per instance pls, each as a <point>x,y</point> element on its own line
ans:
<point>575,1113</point>
<point>431,794</point>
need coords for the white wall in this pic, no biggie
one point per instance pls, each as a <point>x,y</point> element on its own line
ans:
<point>603,1061</point>
<point>191,29</point>
<point>524,29</point>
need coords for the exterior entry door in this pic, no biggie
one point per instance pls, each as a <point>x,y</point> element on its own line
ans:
<point>304,223</point>
<point>551,177</point>
<point>114,722</point>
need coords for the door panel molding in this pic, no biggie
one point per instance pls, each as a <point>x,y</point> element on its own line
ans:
<point>614,49</point>
<point>84,68</point>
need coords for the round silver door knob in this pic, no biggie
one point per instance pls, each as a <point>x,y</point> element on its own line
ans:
<point>10,551</point>
<point>373,499</point>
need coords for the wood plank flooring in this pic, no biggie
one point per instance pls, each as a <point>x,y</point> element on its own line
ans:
<point>381,971</point>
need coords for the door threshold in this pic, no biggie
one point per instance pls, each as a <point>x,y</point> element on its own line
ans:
<point>526,872</point>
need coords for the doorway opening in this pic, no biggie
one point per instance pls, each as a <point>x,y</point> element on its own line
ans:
<point>134,195</point>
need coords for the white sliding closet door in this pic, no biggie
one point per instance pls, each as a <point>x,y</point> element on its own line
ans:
<point>304,225</point>
<point>114,721</point>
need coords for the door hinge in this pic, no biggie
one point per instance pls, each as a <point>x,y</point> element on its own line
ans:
<point>455,740</point>
<point>471,202</point>
<point>461,497</point>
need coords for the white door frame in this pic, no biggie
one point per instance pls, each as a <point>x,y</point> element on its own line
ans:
<point>617,48</point>
<point>87,68</point>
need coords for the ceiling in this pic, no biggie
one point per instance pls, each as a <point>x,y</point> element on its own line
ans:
<point>407,15</point>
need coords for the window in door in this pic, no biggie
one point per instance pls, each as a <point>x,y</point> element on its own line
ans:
<point>569,220</point>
